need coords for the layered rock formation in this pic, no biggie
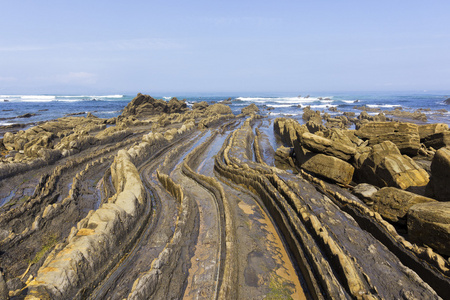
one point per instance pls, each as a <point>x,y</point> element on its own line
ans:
<point>145,105</point>
<point>168,202</point>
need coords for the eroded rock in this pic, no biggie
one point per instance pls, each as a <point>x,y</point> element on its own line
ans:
<point>430,129</point>
<point>429,224</point>
<point>145,105</point>
<point>393,203</point>
<point>323,145</point>
<point>439,186</point>
<point>251,109</point>
<point>385,166</point>
<point>329,167</point>
<point>437,140</point>
<point>404,135</point>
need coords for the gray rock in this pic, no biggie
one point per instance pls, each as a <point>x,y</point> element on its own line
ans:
<point>364,191</point>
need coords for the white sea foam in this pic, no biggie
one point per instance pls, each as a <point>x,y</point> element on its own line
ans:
<point>383,105</point>
<point>323,106</point>
<point>291,100</point>
<point>284,114</point>
<point>106,96</point>
<point>279,105</point>
<point>38,97</point>
<point>348,101</point>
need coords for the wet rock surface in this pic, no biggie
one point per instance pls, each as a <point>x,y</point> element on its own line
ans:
<point>167,202</point>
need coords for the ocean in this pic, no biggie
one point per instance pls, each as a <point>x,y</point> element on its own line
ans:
<point>49,107</point>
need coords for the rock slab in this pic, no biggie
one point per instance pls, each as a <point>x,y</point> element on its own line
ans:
<point>429,224</point>
<point>393,204</point>
<point>330,167</point>
<point>439,186</point>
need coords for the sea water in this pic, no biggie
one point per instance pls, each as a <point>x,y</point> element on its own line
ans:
<point>49,107</point>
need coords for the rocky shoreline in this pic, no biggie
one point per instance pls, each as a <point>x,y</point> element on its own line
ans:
<point>165,201</point>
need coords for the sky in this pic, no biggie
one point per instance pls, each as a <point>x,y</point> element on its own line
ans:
<point>223,46</point>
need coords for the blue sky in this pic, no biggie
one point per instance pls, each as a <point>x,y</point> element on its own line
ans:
<point>223,46</point>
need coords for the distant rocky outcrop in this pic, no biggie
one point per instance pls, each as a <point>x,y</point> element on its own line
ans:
<point>447,101</point>
<point>145,105</point>
<point>248,110</point>
<point>219,108</point>
<point>200,105</point>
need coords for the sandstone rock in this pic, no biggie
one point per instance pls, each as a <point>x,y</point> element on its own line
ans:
<point>439,186</point>
<point>4,293</point>
<point>393,204</point>
<point>314,127</point>
<point>97,238</point>
<point>90,115</point>
<point>385,166</point>
<point>416,115</point>
<point>429,129</point>
<point>219,108</point>
<point>290,132</point>
<point>248,110</point>
<point>437,140</point>
<point>429,224</point>
<point>27,115</point>
<point>404,135</point>
<point>311,115</point>
<point>323,145</point>
<point>349,113</point>
<point>8,141</point>
<point>200,105</point>
<point>329,167</point>
<point>144,105</point>
<point>283,157</point>
<point>111,121</point>
<point>176,106</point>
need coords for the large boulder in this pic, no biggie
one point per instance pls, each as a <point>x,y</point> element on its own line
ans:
<point>439,186</point>
<point>219,108</point>
<point>8,141</point>
<point>437,140</point>
<point>200,105</point>
<point>309,114</point>
<point>329,167</point>
<point>393,204</point>
<point>385,166</point>
<point>429,224</point>
<point>176,106</point>
<point>323,145</point>
<point>429,129</point>
<point>144,105</point>
<point>404,135</point>
<point>251,109</point>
